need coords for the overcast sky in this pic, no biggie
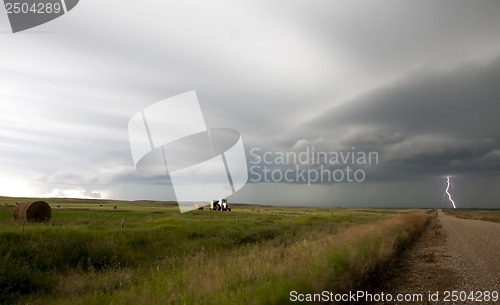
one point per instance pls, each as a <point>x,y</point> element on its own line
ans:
<point>415,81</point>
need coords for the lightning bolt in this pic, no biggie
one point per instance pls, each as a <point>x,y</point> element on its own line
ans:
<point>448,193</point>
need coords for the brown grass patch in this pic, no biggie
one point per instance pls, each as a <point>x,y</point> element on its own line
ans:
<point>266,274</point>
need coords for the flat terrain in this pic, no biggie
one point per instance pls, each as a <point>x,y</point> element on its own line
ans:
<point>113,252</point>
<point>488,215</point>
<point>453,254</point>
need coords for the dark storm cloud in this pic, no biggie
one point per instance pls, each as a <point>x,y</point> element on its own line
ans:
<point>463,101</point>
<point>389,34</point>
<point>430,121</point>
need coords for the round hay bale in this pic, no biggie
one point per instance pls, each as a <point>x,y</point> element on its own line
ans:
<point>38,211</point>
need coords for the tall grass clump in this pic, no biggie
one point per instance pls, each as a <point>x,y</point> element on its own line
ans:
<point>340,262</point>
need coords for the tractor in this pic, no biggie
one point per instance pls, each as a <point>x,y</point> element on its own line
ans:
<point>219,205</point>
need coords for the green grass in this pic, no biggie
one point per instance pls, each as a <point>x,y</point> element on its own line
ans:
<point>250,255</point>
<point>487,215</point>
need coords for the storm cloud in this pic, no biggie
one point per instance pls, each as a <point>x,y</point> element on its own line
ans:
<point>414,81</point>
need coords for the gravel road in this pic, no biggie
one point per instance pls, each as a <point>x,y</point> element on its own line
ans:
<point>474,246</point>
<point>453,254</point>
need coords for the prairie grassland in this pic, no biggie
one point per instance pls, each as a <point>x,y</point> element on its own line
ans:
<point>253,255</point>
<point>487,215</point>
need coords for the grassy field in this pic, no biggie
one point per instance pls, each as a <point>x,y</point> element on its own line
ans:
<point>488,215</point>
<point>252,255</point>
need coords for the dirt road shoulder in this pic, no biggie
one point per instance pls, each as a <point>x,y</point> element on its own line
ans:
<point>451,255</point>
